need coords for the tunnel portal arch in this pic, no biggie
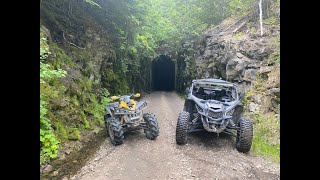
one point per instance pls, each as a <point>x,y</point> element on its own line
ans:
<point>163,74</point>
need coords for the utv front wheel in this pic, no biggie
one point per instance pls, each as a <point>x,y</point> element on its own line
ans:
<point>115,131</point>
<point>244,136</point>
<point>189,107</point>
<point>152,132</point>
<point>182,127</point>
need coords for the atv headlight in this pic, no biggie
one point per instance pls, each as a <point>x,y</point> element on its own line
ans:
<point>143,106</point>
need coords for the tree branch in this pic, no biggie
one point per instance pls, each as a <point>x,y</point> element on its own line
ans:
<point>241,25</point>
<point>71,42</point>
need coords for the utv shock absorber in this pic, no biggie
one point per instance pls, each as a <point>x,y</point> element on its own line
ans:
<point>195,118</point>
<point>231,122</point>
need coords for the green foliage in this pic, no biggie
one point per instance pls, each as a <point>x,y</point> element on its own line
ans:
<point>246,99</point>
<point>240,7</point>
<point>105,97</point>
<point>238,35</point>
<point>266,139</point>
<point>99,109</point>
<point>85,120</point>
<point>75,101</point>
<point>275,45</point>
<point>270,21</point>
<point>143,27</point>
<point>47,74</point>
<point>74,134</point>
<point>48,141</point>
<point>61,131</point>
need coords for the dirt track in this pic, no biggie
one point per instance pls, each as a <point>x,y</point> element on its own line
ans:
<point>203,157</point>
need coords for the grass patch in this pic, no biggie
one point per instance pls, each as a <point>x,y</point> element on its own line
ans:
<point>266,137</point>
<point>238,35</point>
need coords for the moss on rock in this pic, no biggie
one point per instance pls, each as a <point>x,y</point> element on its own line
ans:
<point>74,134</point>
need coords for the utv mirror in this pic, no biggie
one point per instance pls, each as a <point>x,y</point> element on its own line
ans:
<point>114,98</point>
<point>187,90</point>
<point>136,95</point>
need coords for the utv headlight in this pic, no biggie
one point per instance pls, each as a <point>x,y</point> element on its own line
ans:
<point>199,109</point>
<point>230,112</point>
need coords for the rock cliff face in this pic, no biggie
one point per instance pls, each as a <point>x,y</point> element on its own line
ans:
<point>84,49</point>
<point>235,56</point>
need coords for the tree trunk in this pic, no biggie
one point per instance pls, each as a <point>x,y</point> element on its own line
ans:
<point>260,8</point>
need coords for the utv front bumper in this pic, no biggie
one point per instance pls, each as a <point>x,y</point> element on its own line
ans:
<point>214,121</point>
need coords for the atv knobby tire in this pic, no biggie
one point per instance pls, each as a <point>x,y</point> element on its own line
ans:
<point>182,127</point>
<point>152,131</point>
<point>115,131</point>
<point>244,135</point>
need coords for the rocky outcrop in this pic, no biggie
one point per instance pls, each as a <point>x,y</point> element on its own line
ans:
<point>236,57</point>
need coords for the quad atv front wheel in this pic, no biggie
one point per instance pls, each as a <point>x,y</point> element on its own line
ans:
<point>115,131</point>
<point>152,132</point>
<point>182,127</point>
<point>244,135</point>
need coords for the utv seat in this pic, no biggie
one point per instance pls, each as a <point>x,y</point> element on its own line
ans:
<point>201,93</point>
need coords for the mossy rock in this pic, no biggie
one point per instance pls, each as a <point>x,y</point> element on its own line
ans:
<point>74,134</point>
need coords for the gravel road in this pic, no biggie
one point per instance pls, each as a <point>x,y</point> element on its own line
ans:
<point>204,156</point>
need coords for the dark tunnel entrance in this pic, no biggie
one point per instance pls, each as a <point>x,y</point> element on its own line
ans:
<point>163,74</point>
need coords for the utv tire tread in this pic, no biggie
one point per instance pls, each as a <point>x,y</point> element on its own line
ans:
<point>117,130</point>
<point>244,135</point>
<point>182,127</point>
<point>153,131</point>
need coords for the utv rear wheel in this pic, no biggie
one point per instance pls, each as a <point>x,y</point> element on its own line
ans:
<point>152,132</point>
<point>244,135</point>
<point>115,131</point>
<point>182,127</point>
